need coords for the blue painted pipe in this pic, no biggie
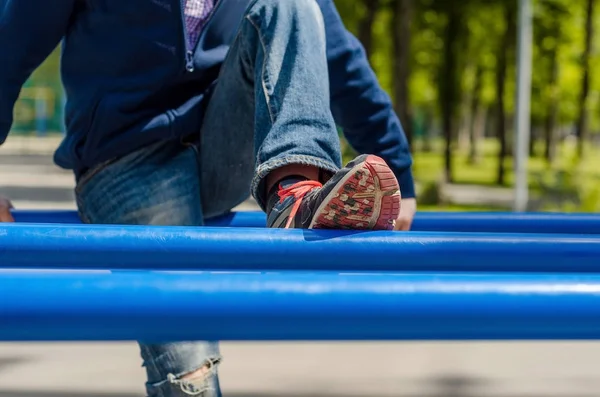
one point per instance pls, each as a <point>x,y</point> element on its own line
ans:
<point>185,248</point>
<point>484,222</point>
<point>494,222</point>
<point>44,216</point>
<point>234,219</point>
<point>158,307</point>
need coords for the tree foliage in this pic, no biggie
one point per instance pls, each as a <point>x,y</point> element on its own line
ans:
<point>453,71</point>
<point>462,58</point>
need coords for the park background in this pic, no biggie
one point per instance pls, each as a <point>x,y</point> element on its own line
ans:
<point>450,68</point>
<point>444,73</point>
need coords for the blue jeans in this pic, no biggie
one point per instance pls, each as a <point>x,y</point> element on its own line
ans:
<point>269,108</point>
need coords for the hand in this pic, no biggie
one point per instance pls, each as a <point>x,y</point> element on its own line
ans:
<point>408,209</point>
<point>5,207</point>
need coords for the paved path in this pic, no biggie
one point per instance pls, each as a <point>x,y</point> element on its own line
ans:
<point>32,156</point>
<point>29,177</point>
<point>334,370</point>
<point>297,369</point>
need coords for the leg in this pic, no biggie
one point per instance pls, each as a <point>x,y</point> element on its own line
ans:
<point>270,107</point>
<point>158,185</point>
<point>271,110</point>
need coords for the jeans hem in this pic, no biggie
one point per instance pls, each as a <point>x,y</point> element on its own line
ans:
<point>268,166</point>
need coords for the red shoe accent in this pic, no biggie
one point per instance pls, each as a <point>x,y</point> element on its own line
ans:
<point>298,191</point>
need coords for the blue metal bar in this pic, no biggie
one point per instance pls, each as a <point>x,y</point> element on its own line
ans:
<point>156,307</point>
<point>493,222</point>
<point>185,248</point>
<point>235,219</point>
<point>484,222</point>
<point>44,216</point>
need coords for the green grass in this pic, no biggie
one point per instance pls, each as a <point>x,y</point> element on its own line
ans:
<point>428,167</point>
<point>566,185</point>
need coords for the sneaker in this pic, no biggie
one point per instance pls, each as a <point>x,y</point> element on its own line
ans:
<point>364,195</point>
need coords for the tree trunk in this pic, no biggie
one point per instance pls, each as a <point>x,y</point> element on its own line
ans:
<point>449,84</point>
<point>477,117</point>
<point>532,140</point>
<point>427,146</point>
<point>501,115</point>
<point>552,111</point>
<point>510,134</point>
<point>582,121</point>
<point>463,116</point>
<point>550,137</point>
<point>464,121</point>
<point>401,27</point>
<point>365,28</point>
<point>506,43</point>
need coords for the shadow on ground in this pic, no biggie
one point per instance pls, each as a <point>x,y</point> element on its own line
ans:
<point>9,362</point>
<point>443,386</point>
<point>8,393</point>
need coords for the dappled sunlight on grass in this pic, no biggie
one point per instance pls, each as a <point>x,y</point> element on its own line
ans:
<point>567,185</point>
<point>428,167</point>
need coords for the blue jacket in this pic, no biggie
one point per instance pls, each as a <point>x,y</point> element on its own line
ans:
<point>128,81</point>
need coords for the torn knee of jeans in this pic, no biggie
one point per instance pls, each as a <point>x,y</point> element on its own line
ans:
<point>201,382</point>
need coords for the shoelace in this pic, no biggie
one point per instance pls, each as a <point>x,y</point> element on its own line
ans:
<point>298,191</point>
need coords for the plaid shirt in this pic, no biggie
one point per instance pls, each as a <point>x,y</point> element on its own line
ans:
<point>196,14</point>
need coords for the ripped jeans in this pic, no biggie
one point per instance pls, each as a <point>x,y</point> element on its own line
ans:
<point>269,108</point>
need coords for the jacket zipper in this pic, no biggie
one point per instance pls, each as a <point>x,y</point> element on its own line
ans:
<point>189,52</point>
<point>189,64</point>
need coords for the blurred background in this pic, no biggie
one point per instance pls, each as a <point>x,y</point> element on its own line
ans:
<point>450,67</point>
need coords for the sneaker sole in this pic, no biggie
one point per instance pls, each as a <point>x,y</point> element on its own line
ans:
<point>367,198</point>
